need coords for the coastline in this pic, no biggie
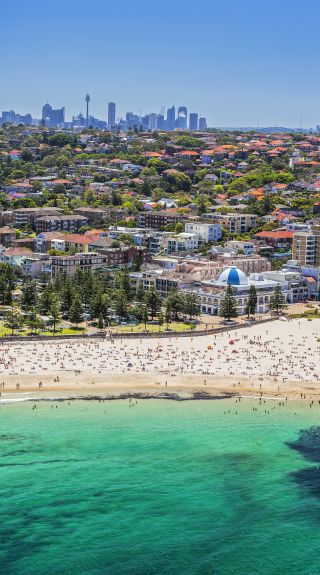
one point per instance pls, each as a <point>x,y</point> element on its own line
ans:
<point>188,387</point>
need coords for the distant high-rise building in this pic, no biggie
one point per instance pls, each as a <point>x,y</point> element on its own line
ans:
<point>160,122</point>
<point>78,121</point>
<point>111,114</point>
<point>56,118</point>
<point>52,118</point>
<point>171,118</point>
<point>9,117</point>
<point>193,122</point>
<point>202,123</point>
<point>13,118</point>
<point>153,122</point>
<point>182,120</point>
<point>132,120</point>
<point>46,112</point>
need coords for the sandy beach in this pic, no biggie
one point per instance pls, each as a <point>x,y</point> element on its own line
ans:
<point>278,359</point>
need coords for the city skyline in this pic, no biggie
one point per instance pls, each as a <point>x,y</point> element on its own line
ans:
<point>236,64</point>
<point>170,119</point>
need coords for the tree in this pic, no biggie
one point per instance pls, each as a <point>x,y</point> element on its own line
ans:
<point>140,293</point>
<point>277,300</point>
<point>75,311</point>
<point>29,294</point>
<point>252,301</point>
<point>100,305</point>
<point>191,305</point>
<point>13,320</point>
<point>201,202</point>
<point>228,305</point>
<point>167,316</point>
<point>120,303</point>
<point>175,304</point>
<point>153,301</point>
<point>45,299</point>
<point>145,317</point>
<point>126,284</point>
<point>160,320</point>
<point>33,321</point>
<point>54,311</point>
<point>67,295</point>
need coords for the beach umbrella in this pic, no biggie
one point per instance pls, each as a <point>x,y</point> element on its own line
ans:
<point>231,342</point>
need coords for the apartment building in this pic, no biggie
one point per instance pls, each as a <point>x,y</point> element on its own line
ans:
<point>157,279</point>
<point>67,265</point>
<point>119,256</point>
<point>236,223</point>
<point>205,232</point>
<point>183,242</point>
<point>94,215</point>
<point>27,216</point>
<point>60,223</point>
<point>306,247</point>
<point>159,219</point>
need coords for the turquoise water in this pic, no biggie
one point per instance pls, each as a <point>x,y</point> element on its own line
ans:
<point>159,488</point>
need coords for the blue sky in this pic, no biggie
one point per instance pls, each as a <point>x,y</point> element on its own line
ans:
<point>231,60</point>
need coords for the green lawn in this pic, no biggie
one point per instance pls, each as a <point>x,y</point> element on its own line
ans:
<point>153,328</point>
<point>4,331</point>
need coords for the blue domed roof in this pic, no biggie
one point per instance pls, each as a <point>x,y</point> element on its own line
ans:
<point>233,276</point>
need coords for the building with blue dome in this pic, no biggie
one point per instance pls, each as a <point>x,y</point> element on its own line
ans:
<point>233,276</point>
<point>212,292</point>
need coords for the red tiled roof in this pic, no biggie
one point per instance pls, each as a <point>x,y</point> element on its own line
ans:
<point>17,252</point>
<point>275,234</point>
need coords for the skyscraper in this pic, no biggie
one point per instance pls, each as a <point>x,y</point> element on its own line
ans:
<point>46,111</point>
<point>111,114</point>
<point>56,118</point>
<point>171,118</point>
<point>202,123</point>
<point>193,122</point>
<point>160,122</point>
<point>153,122</point>
<point>52,118</point>
<point>182,120</point>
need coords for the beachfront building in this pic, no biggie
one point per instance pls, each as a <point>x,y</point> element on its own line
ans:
<point>154,279</point>
<point>211,293</point>
<point>67,265</point>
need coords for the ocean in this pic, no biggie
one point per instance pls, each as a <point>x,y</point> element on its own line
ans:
<point>161,487</point>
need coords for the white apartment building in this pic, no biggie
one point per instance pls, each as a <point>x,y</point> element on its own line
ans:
<point>205,232</point>
<point>183,242</point>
